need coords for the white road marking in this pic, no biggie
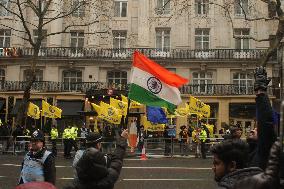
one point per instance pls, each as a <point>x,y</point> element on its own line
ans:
<point>2,176</point>
<point>164,179</point>
<point>186,168</point>
<point>14,165</point>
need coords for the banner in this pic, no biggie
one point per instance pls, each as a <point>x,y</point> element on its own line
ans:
<point>96,107</point>
<point>195,106</point>
<point>33,111</point>
<point>109,113</point>
<point>50,111</point>
<point>120,105</point>
<point>133,104</point>
<point>182,112</point>
<point>150,126</point>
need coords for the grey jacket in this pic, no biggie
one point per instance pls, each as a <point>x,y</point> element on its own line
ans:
<point>228,181</point>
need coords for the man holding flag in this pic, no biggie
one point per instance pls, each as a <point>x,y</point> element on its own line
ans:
<point>153,85</point>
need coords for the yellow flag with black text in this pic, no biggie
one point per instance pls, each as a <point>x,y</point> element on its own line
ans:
<point>50,111</point>
<point>33,111</point>
<point>109,113</point>
<point>120,105</point>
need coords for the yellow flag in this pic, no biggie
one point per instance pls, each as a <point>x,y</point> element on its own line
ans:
<point>205,110</point>
<point>133,104</point>
<point>33,111</point>
<point>50,111</point>
<point>150,126</point>
<point>182,112</point>
<point>109,113</point>
<point>96,107</point>
<point>194,105</point>
<point>120,105</point>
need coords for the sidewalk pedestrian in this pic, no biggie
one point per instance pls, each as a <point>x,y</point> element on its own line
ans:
<point>167,139</point>
<point>184,140</point>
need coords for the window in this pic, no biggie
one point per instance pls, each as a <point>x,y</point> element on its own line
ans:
<point>163,7</point>
<point>120,8</point>
<point>77,39</point>
<point>202,38</point>
<point>202,82</point>
<point>41,4</point>
<point>201,7</point>
<point>5,37</point>
<point>38,74</point>
<point>2,75</point>
<point>241,7</point>
<point>117,77</point>
<point>72,79</point>
<point>242,42</point>
<point>7,5</point>
<point>44,41</point>
<point>163,42</point>
<point>243,83</point>
<point>119,39</point>
<point>79,8</point>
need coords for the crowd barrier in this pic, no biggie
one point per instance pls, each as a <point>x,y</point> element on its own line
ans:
<point>155,146</point>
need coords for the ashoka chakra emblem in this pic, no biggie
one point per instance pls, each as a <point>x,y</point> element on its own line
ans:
<point>154,85</point>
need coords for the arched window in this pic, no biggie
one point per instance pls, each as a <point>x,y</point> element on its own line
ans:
<point>117,77</point>
<point>72,79</point>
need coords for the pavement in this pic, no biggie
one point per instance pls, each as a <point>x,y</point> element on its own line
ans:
<point>156,172</point>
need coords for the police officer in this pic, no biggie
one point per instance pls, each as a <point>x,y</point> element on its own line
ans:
<point>66,141</point>
<point>53,138</point>
<point>38,164</point>
<point>73,138</point>
<point>83,132</point>
<point>203,138</point>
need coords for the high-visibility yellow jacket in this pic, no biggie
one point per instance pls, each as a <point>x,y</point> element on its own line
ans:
<point>66,133</point>
<point>54,133</point>
<point>74,132</point>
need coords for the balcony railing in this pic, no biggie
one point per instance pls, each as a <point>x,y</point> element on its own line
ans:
<point>83,87</point>
<point>80,53</point>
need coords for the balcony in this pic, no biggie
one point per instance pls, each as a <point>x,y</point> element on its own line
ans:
<point>83,87</point>
<point>92,53</point>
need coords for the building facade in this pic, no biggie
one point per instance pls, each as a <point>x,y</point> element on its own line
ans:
<point>192,38</point>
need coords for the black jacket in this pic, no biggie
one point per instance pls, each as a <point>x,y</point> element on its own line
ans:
<point>228,181</point>
<point>113,171</point>
<point>49,169</point>
<point>259,152</point>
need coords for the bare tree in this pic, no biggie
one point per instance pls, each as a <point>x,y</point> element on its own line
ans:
<point>28,16</point>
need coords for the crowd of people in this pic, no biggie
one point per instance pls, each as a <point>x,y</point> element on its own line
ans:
<point>255,163</point>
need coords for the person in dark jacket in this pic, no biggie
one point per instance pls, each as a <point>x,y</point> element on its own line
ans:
<point>92,167</point>
<point>38,164</point>
<point>261,139</point>
<point>230,162</point>
<point>269,179</point>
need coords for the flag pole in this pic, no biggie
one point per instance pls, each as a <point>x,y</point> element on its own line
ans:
<point>127,115</point>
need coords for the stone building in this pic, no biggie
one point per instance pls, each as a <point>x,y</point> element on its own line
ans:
<point>192,38</point>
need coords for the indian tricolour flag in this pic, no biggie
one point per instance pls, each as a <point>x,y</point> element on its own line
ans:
<point>153,85</point>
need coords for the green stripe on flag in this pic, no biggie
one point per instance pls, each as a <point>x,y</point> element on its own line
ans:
<point>144,96</point>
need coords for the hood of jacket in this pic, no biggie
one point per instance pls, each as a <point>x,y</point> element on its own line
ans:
<point>230,179</point>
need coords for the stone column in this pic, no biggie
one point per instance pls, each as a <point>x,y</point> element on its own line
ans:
<point>223,113</point>
<point>56,25</point>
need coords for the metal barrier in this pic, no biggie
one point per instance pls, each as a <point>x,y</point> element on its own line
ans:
<point>153,146</point>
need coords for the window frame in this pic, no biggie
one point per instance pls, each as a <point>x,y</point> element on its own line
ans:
<point>202,36</point>
<point>161,9</point>
<point>2,74</point>
<point>114,77</point>
<point>80,12</point>
<point>121,36</point>
<point>197,84</point>
<point>70,85</point>
<point>161,33</point>
<point>5,37</point>
<point>38,74</point>
<point>44,41</point>
<point>120,14</point>
<point>239,8</point>
<point>201,7</point>
<point>77,37</point>
<point>239,88</point>
<point>242,40</point>
<point>5,11</point>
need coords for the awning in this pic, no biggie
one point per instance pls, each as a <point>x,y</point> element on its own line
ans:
<point>19,101</point>
<point>70,108</point>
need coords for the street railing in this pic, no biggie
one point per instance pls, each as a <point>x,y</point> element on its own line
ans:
<point>83,87</point>
<point>126,53</point>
